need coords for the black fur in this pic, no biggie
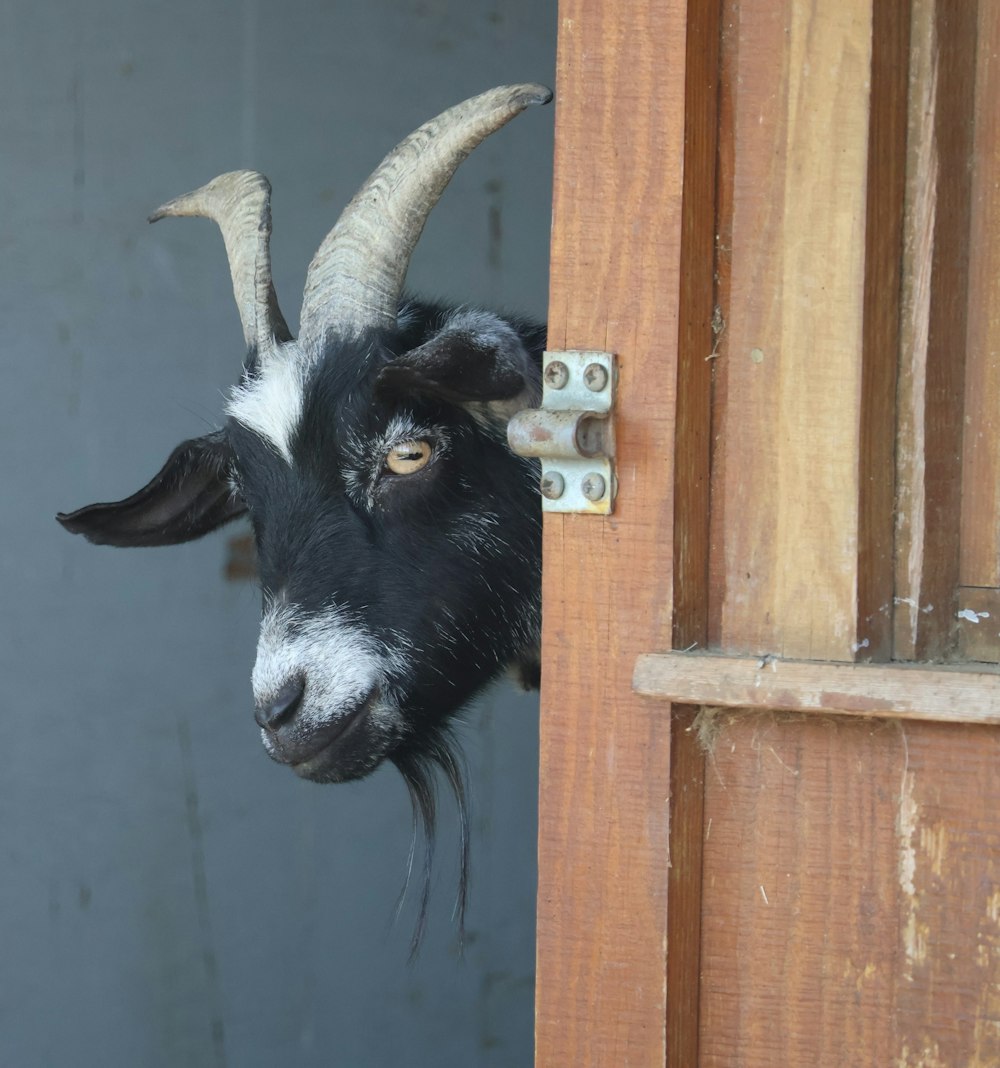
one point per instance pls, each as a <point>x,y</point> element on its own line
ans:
<point>409,559</point>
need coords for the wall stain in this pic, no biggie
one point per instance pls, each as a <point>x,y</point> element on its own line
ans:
<point>494,245</point>
<point>200,880</point>
<point>241,559</point>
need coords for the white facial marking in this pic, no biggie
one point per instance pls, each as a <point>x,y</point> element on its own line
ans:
<point>341,662</point>
<point>271,403</point>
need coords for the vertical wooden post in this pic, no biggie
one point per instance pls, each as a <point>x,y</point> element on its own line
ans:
<point>980,559</point>
<point>932,350</point>
<point>608,583</point>
<point>803,490</point>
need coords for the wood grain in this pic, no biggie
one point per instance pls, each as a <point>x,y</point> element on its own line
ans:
<point>932,351</point>
<point>980,554</point>
<point>605,754</point>
<point>851,893</point>
<point>979,623</point>
<point>692,469</point>
<point>890,691</point>
<point>687,822</point>
<point>845,867</point>
<point>801,506</point>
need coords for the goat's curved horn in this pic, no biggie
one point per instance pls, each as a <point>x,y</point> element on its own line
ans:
<point>240,202</point>
<point>356,277</point>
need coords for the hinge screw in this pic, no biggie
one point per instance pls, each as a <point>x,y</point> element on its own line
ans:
<point>552,485</point>
<point>593,486</point>
<point>595,377</point>
<point>556,374</point>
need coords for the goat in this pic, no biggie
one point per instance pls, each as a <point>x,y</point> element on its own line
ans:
<point>397,536</point>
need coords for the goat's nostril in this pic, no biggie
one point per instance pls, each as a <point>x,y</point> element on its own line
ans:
<point>282,707</point>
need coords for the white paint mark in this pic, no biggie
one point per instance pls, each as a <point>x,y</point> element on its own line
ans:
<point>855,646</point>
<point>907,829</point>
<point>911,603</point>
<point>915,933</point>
<point>971,616</point>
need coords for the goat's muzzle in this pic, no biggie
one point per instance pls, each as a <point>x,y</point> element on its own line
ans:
<point>281,709</point>
<point>320,751</point>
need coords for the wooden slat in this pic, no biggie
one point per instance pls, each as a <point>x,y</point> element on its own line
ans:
<point>851,893</point>
<point>799,931</point>
<point>896,691</point>
<point>979,623</point>
<point>980,559</point>
<point>697,335</point>
<point>605,754</point>
<point>687,822</point>
<point>691,486</point>
<point>801,507</point>
<point>932,353</point>
<point>884,194</point>
<point>947,1009</point>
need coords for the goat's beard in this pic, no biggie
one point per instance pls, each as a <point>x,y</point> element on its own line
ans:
<point>420,771</point>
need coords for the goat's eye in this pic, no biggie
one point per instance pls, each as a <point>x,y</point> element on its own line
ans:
<point>408,457</point>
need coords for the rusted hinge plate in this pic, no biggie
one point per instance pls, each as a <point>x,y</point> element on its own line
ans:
<point>572,433</point>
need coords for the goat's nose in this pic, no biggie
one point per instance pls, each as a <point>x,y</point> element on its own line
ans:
<point>283,705</point>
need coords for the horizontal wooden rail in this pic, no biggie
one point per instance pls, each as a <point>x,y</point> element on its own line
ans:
<point>949,693</point>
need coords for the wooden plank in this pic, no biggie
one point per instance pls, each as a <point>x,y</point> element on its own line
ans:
<point>691,487</point>
<point>605,754</point>
<point>801,886</point>
<point>801,507</point>
<point>884,194</point>
<point>980,557</point>
<point>851,893</point>
<point>979,623</point>
<point>932,357</point>
<point>687,822</point>
<point>692,456</point>
<point>896,691</point>
<point>947,1008</point>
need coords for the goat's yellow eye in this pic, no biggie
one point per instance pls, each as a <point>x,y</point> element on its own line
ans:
<point>408,457</point>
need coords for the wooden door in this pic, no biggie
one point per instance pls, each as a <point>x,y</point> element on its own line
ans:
<point>770,785</point>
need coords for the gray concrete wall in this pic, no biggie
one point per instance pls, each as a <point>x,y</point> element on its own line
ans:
<point>168,896</point>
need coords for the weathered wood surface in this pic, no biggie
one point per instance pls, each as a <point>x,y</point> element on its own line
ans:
<point>932,350</point>
<point>851,893</point>
<point>605,753</point>
<point>832,879</point>
<point>698,324</point>
<point>812,176</point>
<point>979,623</point>
<point>892,691</point>
<point>980,559</point>
<point>874,952</point>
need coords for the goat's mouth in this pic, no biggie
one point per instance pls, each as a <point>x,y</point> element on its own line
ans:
<point>327,754</point>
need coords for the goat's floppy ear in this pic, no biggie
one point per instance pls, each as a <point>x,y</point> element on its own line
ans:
<point>189,497</point>
<point>475,357</point>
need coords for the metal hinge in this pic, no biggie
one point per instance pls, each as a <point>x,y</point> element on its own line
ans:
<point>572,433</point>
